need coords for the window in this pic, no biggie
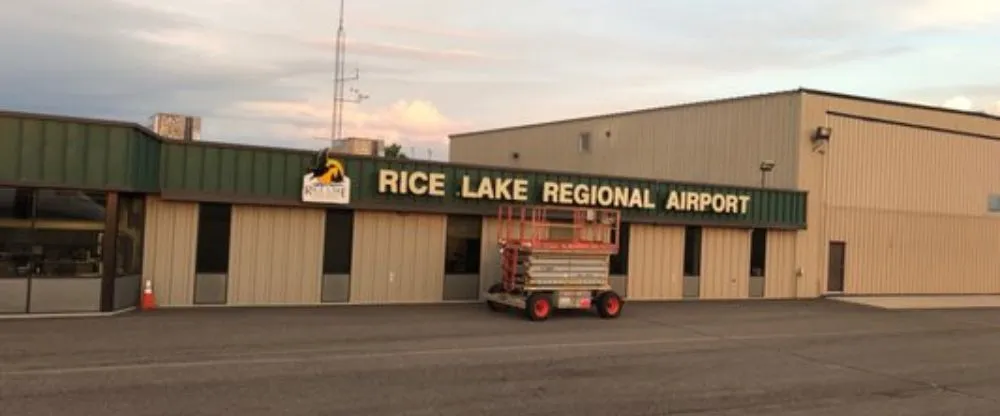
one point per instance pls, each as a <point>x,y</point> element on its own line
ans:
<point>692,251</point>
<point>131,214</point>
<point>464,237</point>
<point>993,203</point>
<point>619,262</point>
<point>758,252</point>
<point>213,238</point>
<point>51,233</point>
<point>16,236</point>
<point>338,241</point>
<point>584,143</point>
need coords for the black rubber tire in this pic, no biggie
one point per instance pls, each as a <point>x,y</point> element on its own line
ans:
<point>609,305</point>
<point>496,307</point>
<point>538,306</point>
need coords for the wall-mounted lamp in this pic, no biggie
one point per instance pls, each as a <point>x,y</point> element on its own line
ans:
<point>821,138</point>
<point>822,133</point>
<point>765,167</point>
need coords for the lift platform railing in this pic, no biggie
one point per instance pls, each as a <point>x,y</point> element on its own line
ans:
<point>547,227</point>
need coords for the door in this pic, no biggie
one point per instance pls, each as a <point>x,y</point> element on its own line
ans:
<point>835,271</point>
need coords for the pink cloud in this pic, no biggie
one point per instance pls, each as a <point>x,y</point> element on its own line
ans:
<point>440,31</point>
<point>412,120</point>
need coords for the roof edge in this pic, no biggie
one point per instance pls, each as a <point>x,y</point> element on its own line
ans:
<point>628,112</point>
<point>898,103</point>
<point>800,90</point>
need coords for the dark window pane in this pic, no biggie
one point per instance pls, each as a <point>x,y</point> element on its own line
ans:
<point>48,232</point>
<point>213,238</point>
<point>758,252</point>
<point>131,213</point>
<point>692,251</point>
<point>619,262</point>
<point>338,241</point>
<point>463,244</point>
<point>73,249</point>
<point>57,204</point>
<point>16,235</point>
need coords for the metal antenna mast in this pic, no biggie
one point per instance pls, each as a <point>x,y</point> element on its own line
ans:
<point>337,124</point>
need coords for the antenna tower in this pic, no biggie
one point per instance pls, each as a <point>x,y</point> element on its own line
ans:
<point>337,123</point>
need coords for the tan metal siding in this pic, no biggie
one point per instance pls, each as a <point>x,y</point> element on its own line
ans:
<point>726,263</point>
<point>169,250</point>
<point>780,279</point>
<point>656,262</point>
<point>275,255</point>
<point>720,142</point>
<point>909,171</point>
<point>903,114</point>
<point>910,253</point>
<point>398,258</point>
<point>890,167</point>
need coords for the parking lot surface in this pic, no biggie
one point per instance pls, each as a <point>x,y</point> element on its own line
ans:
<point>749,358</point>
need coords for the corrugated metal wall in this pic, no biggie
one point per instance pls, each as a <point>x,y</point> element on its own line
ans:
<point>83,154</point>
<point>725,272</point>
<point>716,142</point>
<point>906,170</point>
<point>213,172</point>
<point>275,255</point>
<point>398,257</point>
<point>911,206</point>
<point>781,281</point>
<point>169,250</point>
<point>767,207</point>
<point>887,167</point>
<point>889,252</point>
<point>193,169</point>
<point>655,262</point>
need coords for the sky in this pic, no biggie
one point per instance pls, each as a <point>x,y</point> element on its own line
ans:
<point>261,72</point>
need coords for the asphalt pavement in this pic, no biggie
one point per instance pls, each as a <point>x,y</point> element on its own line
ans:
<point>744,358</point>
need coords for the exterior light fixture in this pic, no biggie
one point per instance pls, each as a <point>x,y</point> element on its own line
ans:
<point>765,167</point>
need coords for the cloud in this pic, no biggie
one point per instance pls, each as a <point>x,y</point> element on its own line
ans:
<point>428,30</point>
<point>936,14</point>
<point>260,72</point>
<point>393,50</point>
<point>410,121</point>
<point>959,103</point>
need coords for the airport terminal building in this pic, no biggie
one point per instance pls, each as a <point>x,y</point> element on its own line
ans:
<point>787,195</point>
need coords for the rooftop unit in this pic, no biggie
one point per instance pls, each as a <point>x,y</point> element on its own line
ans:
<point>176,126</point>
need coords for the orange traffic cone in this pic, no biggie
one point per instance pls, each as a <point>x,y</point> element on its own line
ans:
<point>148,301</point>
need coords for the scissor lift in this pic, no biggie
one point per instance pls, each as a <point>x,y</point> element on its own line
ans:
<point>556,257</point>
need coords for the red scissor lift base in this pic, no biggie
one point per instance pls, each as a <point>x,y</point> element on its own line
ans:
<point>543,272</point>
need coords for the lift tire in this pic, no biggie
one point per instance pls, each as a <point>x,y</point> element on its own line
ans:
<point>609,305</point>
<point>494,306</point>
<point>539,306</point>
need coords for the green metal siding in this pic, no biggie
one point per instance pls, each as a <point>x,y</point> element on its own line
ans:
<point>238,172</point>
<point>767,207</point>
<point>76,154</point>
<point>89,154</point>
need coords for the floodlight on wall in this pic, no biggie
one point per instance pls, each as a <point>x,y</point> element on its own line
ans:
<point>822,133</point>
<point>766,166</point>
<point>821,138</point>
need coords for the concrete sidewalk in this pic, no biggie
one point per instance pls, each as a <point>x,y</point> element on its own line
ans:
<point>924,302</point>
